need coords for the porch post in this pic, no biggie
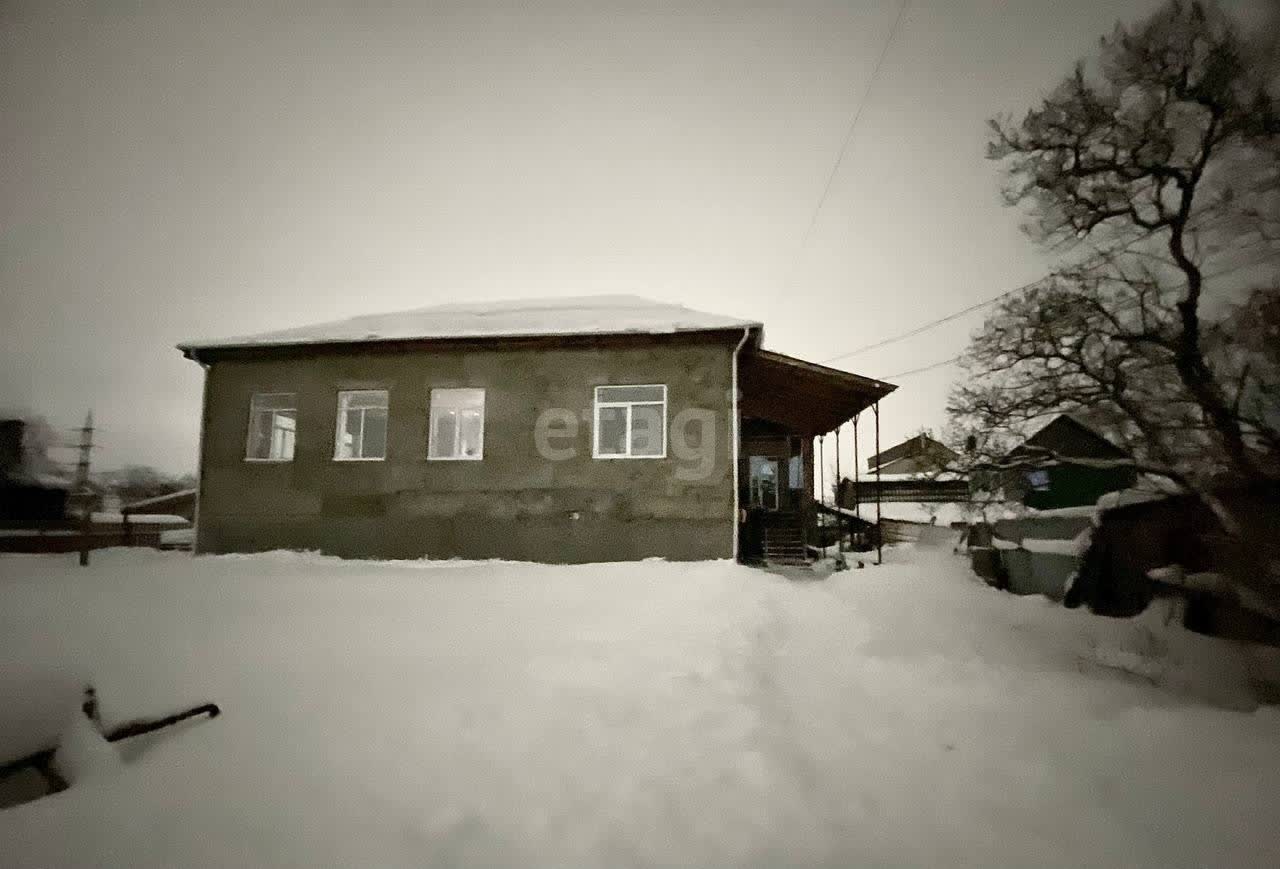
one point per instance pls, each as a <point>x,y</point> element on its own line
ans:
<point>879,523</point>
<point>857,495</point>
<point>806,506</point>
<point>822,489</point>
<point>839,518</point>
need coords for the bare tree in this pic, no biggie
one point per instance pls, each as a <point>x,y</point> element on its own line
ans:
<point>1157,170</point>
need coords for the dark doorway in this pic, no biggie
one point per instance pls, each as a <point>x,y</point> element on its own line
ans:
<point>764,481</point>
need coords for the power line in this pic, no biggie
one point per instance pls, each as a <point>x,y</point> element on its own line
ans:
<point>1099,256</point>
<point>844,147</point>
<point>1129,305</point>
<point>925,368</point>
<point>938,322</point>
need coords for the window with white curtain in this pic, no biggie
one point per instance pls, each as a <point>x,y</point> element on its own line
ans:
<point>457,425</point>
<point>630,422</point>
<point>361,433</point>
<point>273,427</point>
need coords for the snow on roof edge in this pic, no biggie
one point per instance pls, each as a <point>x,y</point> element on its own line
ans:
<point>581,315</point>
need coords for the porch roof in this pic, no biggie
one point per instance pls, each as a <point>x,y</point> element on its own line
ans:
<point>808,398</point>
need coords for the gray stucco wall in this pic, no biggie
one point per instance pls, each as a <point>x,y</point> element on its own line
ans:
<point>515,503</point>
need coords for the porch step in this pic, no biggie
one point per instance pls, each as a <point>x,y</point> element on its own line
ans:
<point>784,545</point>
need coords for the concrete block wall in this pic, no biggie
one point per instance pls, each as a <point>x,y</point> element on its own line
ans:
<point>515,503</point>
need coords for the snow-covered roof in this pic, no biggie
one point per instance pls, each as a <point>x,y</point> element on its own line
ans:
<point>517,318</point>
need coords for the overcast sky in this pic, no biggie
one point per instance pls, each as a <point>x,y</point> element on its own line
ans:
<point>171,170</point>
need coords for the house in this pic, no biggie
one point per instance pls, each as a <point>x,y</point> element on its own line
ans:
<point>567,430</point>
<point>918,454</point>
<point>908,475</point>
<point>1046,477</point>
<point>911,489</point>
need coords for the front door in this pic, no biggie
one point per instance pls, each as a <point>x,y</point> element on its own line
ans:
<point>764,482</point>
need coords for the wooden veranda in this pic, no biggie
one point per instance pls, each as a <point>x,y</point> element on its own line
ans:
<point>788,407</point>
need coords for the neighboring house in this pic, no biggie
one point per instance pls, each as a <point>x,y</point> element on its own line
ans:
<point>1049,479</point>
<point>571,430</point>
<point>912,493</point>
<point>912,472</point>
<point>919,454</point>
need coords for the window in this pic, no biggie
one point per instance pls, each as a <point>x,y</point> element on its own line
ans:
<point>1038,480</point>
<point>273,427</point>
<point>631,422</point>
<point>457,425</point>
<point>362,425</point>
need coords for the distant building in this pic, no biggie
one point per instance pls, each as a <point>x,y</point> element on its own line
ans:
<point>1047,478</point>
<point>913,472</point>
<point>919,454</point>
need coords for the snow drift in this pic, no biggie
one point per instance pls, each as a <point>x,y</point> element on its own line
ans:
<point>491,714</point>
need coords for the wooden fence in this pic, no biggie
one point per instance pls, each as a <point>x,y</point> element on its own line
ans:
<point>62,536</point>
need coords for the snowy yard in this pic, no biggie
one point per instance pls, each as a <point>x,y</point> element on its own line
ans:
<point>489,714</point>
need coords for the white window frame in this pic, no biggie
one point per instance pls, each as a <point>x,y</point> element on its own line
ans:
<point>340,421</point>
<point>253,411</point>
<point>595,418</point>
<point>431,423</point>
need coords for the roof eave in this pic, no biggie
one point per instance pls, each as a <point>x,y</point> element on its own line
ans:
<point>808,398</point>
<point>194,351</point>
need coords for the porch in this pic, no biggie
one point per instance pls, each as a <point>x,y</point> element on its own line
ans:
<point>787,408</point>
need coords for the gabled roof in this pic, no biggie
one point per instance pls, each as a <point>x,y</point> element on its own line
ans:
<point>519,318</point>
<point>917,446</point>
<point>1068,437</point>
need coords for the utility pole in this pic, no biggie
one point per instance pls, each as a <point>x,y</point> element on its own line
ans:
<point>82,486</point>
<point>85,447</point>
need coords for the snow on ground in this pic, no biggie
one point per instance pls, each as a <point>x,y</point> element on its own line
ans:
<point>178,537</point>
<point>489,714</point>
<point>939,513</point>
